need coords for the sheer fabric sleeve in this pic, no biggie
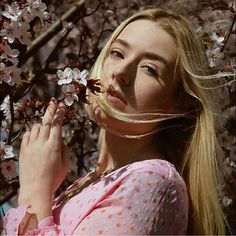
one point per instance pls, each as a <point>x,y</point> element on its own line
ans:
<point>145,203</point>
<point>18,221</point>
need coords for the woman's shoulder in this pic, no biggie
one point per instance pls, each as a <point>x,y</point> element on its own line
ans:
<point>159,166</point>
<point>162,172</point>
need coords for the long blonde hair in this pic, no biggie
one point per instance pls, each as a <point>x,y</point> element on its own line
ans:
<point>198,162</point>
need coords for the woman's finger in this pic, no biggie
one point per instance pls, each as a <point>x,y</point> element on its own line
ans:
<point>25,140</point>
<point>58,122</point>
<point>50,112</point>
<point>48,119</point>
<point>34,133</point>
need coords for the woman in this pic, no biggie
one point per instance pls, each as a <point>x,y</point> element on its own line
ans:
<point>153,112</point>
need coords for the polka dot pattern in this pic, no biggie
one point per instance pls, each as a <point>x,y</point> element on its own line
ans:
<point>147,197</point>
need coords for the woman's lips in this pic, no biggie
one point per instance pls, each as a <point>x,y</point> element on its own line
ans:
<point>115,97</point>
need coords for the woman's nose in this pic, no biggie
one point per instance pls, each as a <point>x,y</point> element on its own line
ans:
<point>122,73</point>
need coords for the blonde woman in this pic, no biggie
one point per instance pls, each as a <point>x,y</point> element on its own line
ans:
<point>157,168</point>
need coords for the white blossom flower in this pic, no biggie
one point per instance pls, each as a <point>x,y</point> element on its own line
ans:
<point>66,76</point>
<point>37,8</point>
<point>14,75</point>
<point>69,75</point>
<point>80,76</point>
<point>217,38</point>
<point>8,168</point>
<point>214,55</point>
<point>25,16</point>
<point>5,107</point>
<point>10,31</point>
<point>24,36</point>
<point>12,12</point>
<point>6,151</point>
<point>226,201</point>
<point>70,94</point>
<point>4,73</point>
<point>10,54</point>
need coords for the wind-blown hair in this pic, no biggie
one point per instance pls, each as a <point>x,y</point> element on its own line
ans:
<point>198,160</point>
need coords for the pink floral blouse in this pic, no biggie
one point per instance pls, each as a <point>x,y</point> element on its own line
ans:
<point>146,197</point>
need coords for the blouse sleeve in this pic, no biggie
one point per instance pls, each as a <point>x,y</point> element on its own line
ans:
<point>17,219</point>
<point>145,203</point>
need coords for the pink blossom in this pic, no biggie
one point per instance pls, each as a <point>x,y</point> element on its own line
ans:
<point>10,31</point>
<point>217,38</point>
<point>5,107</point>
<point>37,8</point>
<point>10,54</point>
<point>214,55</point>
<point>25,16</point>
<point>81,76</point>
<point>66,76</point>
<point>8,168</point>
<point>6,151</point>
<point>4,73</point>
<point>69,75</point>
<point>14,75</point>
<point>12,12</point>
<point>24,36</point>
<point>70,94</point>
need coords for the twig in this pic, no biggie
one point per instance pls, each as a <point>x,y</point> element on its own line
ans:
<point>80,48</point>
<point>230,31</point>
<point>58,45</point>
<point>18,133</point>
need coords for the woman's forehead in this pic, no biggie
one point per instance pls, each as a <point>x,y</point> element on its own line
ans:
<point>148,36</point>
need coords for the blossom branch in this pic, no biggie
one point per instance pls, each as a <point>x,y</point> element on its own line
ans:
<point>12,114</point>
<point>72,15</point>
<point>230,32</point>
<point>58,45</point>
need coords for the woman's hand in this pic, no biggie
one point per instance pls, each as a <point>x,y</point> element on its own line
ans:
<point>43,161</point>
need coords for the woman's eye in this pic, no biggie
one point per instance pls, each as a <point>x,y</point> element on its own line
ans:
<point>116,53</point>
<point>151,71</point>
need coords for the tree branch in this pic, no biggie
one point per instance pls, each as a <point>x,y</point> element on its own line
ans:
<point>72,15</point>
<point>230,32</point>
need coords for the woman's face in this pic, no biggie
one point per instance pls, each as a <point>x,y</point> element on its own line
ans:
<point>138,70</point>
<point>139,67</point>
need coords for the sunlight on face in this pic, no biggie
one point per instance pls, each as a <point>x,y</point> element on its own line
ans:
<point>140,66</point>
<point>139,69</point>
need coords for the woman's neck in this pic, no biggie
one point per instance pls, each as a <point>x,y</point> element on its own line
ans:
<point>118,151</point>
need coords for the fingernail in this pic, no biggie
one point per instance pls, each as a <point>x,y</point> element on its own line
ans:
<point>53,100</point>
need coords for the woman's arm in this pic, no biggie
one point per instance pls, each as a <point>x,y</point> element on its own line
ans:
<point>42,165</point>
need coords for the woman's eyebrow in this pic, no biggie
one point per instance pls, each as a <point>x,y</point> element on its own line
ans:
<point>154,56</point>
<point>122,42</point>
<point>149,55</point>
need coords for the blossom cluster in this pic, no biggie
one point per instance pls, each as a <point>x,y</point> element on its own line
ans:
<point>214,53</point>
<point>15,28</point>
<point>7,164</point>
<point>72,81</point>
